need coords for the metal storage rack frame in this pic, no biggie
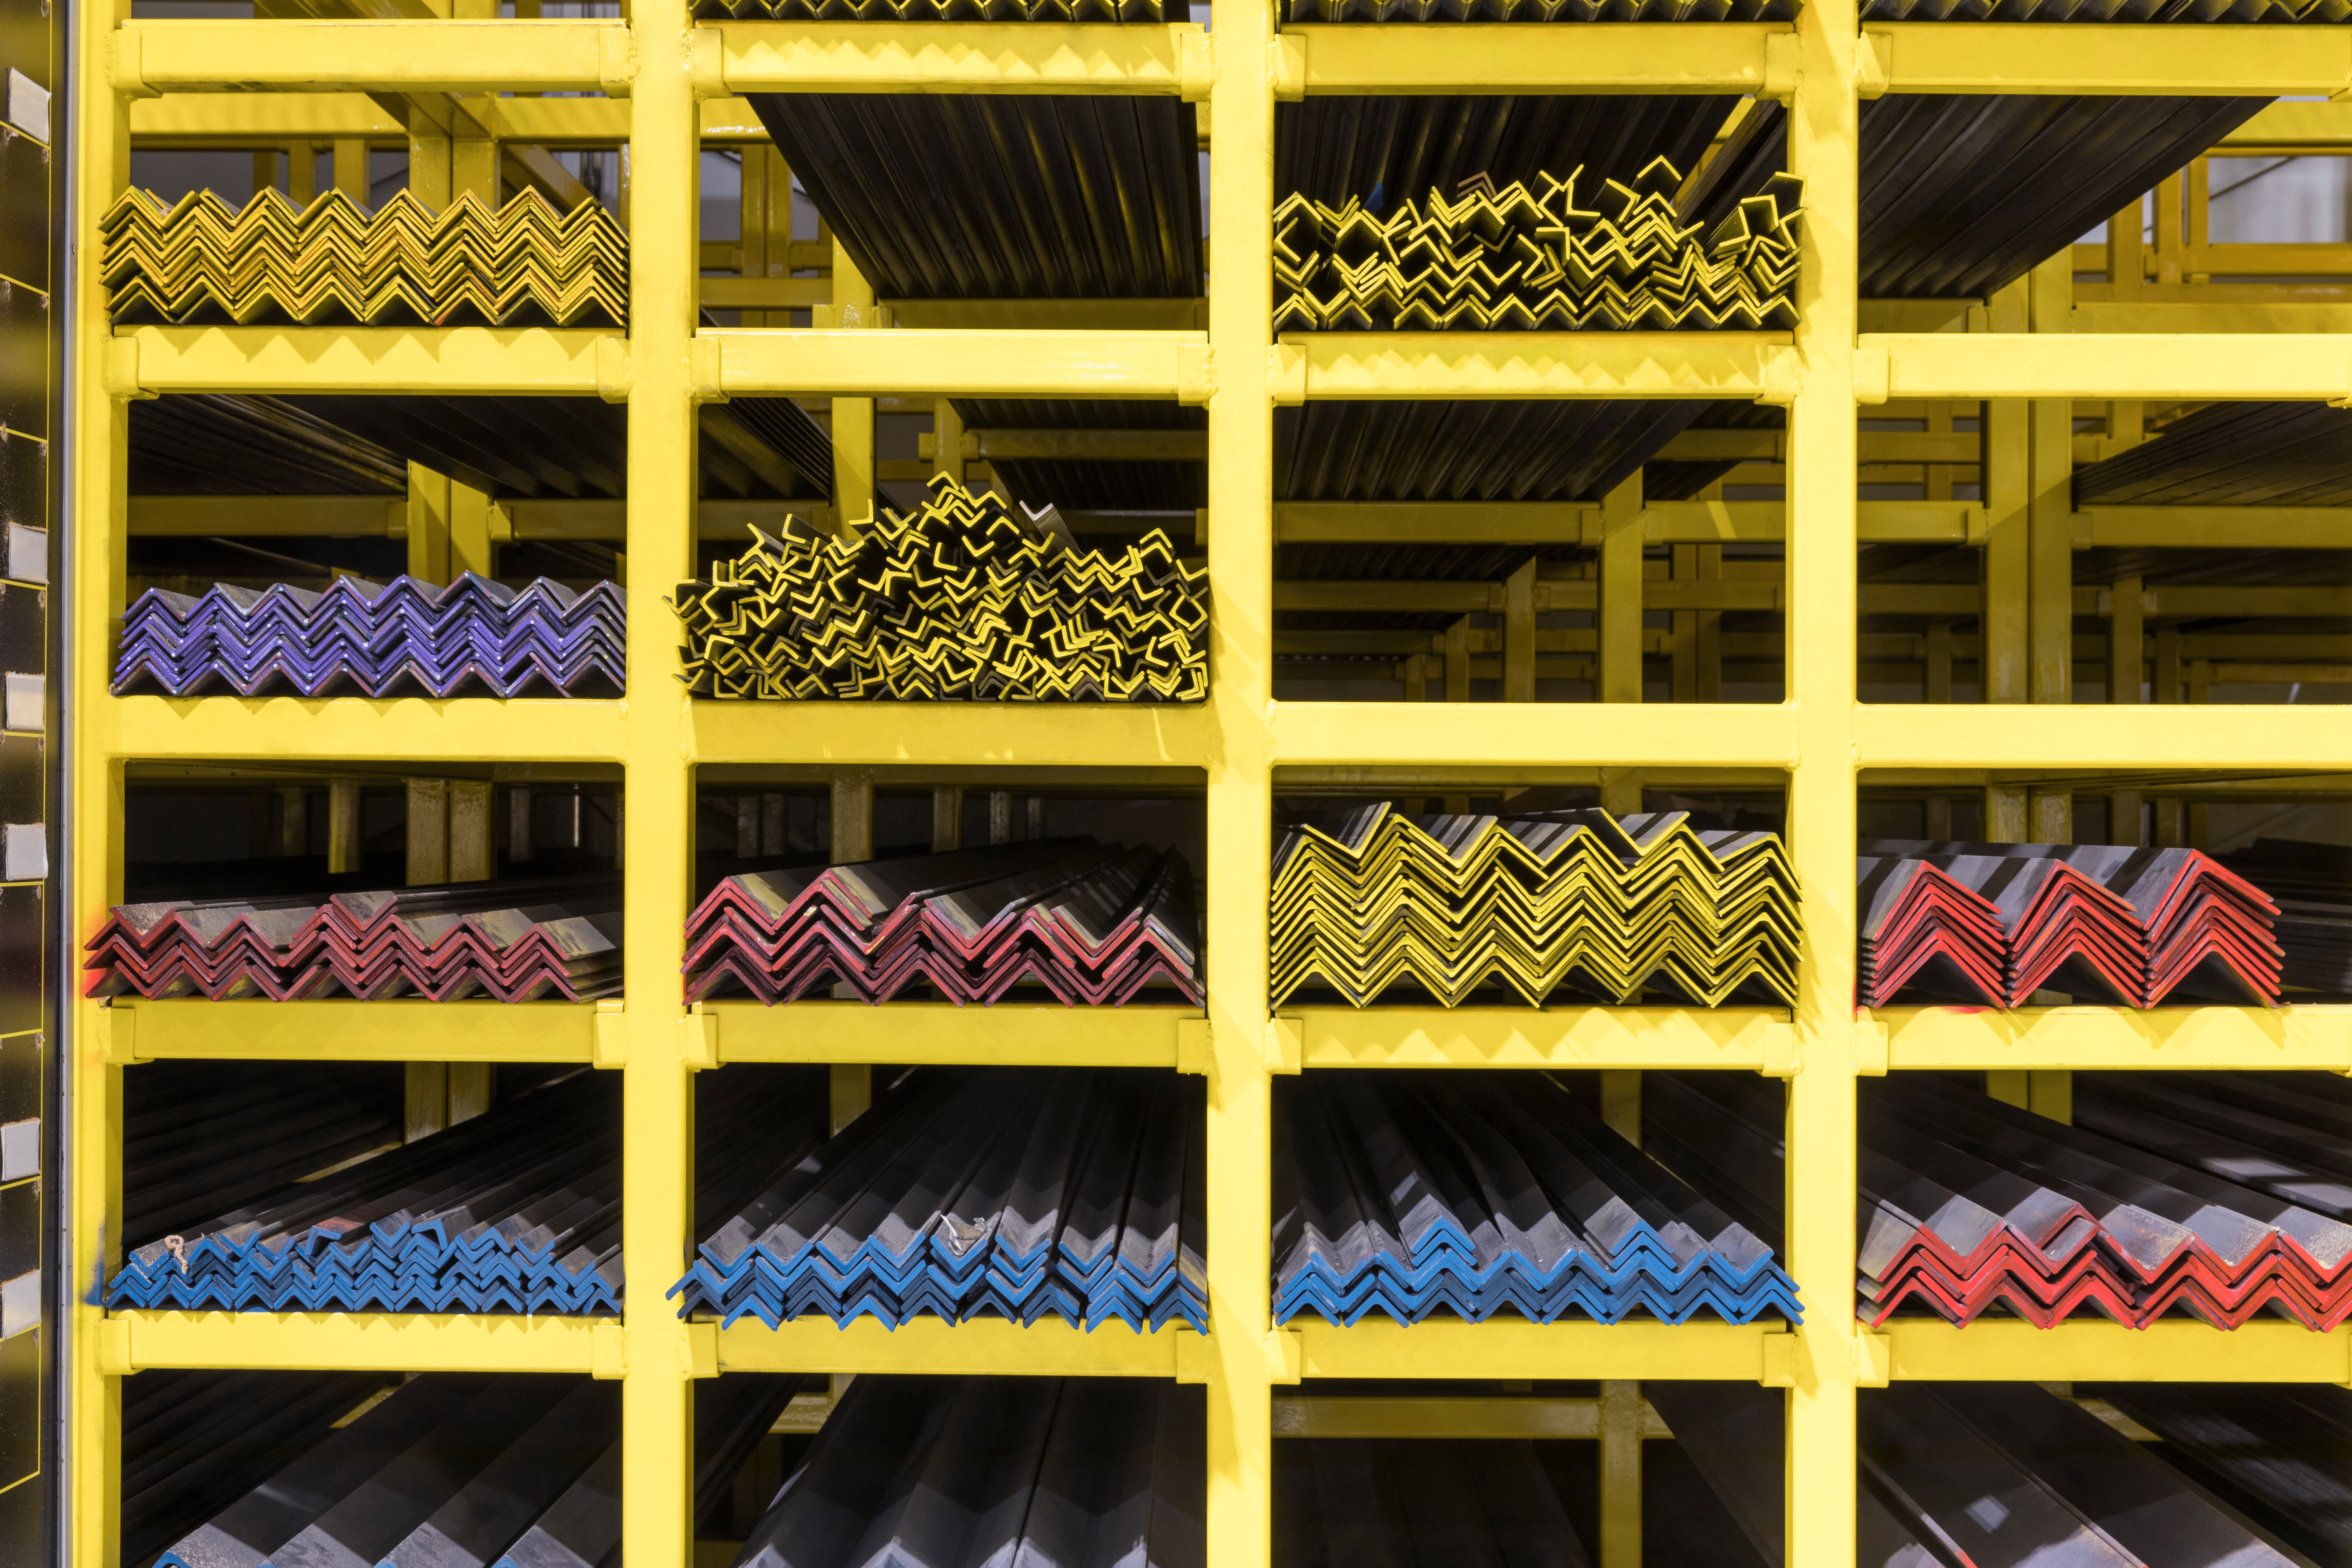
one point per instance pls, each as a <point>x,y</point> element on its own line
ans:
<point>662,72</point>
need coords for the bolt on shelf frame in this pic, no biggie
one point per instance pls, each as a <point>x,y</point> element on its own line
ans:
<point>668,83</point>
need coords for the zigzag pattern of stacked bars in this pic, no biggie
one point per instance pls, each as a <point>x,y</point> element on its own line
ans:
<point>963,600</point>
<point>1992,923</point>
<point>1094,924</point>
<point>334,263</point>
<point>377,638</point>
<point>511,941</point>
<point>1015,1192</point>
<point>1575,899</point>
<point>1529,260</point>
<point>1472,1196</point>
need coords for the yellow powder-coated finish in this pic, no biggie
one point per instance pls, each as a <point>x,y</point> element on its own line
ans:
<point>662,84</point>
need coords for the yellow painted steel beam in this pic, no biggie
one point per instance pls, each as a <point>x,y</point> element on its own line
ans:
<point>1415,523</point>
<point>317,516</point>
<point>1098,59</point>
<point>974,734</point>
<point>2305,1037</point>
<point>455,360</point>
<point>765,294</point>
<point>2115,60</point>
<point>1423,1417</point>
<point>2281,317</point>
<point>1537,364</point>
<point>2286,128</point>
<point>2090,1350</point>
<point>1501,1348</point>
<point>1754,1038</point>
<point>1999,735</point>
<point>1055,315</point>
<point>2144,366</point>
<point>215,120</point>
<point>987,1346</point>
<point>1454,59</point>
<point>437,55</point>
<point>949,364</point>
<point>1377,734</point>
<point>1138,1035</point>
<point>2214,527</point>
<point>342,1341</point>
<point>344,1030</point>
<point>356,728</point>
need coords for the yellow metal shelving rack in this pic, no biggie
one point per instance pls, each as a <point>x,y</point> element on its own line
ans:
<point>666,82</point>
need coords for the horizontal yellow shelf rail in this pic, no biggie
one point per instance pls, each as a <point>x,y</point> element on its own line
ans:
<point>1756,1038</point>
<point>1511,1348</point>
<point>1534,364</point>
<point>1601,57</point>
<point>2111,365</point>
<point>1998,735</point>
<point>991,1345</point>
<point>1101,59</point>
<point>211,120</point>
<point>1492,734</point>
<point>968,363</point>
<point>925,1032</point>
<point>478,360</point>
<point>2112,59</point>
<point>2271,318</point>
<point>2218,1038</point>
<point>1511,1417</point>
<point>2204,527</point>
<point>354,728</point>
<point>349,54</point>
<point>974,734</point>
<point>344,1030</point>
<point>337,1341</point>
<point>2171,1350</point>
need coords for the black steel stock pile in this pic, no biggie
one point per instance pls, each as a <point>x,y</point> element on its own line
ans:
<point>334,262</point>
<point>965,599</point>
<point>1526,259</point>
<point>2312,885</point>
<point>1597,905</point>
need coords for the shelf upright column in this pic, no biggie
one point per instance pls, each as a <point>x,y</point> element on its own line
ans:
<point>1241,801</point>
<point>657,1105</point>
<point>1823,140</point>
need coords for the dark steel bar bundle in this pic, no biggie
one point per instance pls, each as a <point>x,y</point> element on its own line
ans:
<point>1602,905</point>
<point>1417,1503</point>
<point>193,1147</point>
<point>2312,885</point>
<point>511,942</point>
<point>1992,923</point>
<point>1968,1204</point>
<point>1472,1196</point>
<point>1095,924</point>
<point>1528,260</point>
<point>2289,1135</point>
<point>963,600</point>
<point>377,638</point>
<point>2231,454</point>
<point>978,1472</point>
<point>1013,1193</point>
<point>464,1470</point>
<point>2280,1454</point>
<point>334,261</point>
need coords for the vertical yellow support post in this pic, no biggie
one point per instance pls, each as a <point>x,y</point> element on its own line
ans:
<point>1823,140</point>
<point>1240,794</point>
<point>2002,477</point>
<point>2168,268</point>
<point>947,817</point>
<point>853,417</point>
<point>344,848</point>
<point>1620,1474</point>
<point>1619,667</point>
<point>1457,661</point>
<point>2127,251</point>
<point>429,524</point>
<point>946,441</point>
<point>293,820</point>
<point>429,831</point>
<point>470,852</point>
<point>2050,448</point>
<point>1519,634</point>
<point>1940,662</point>
<point>2123,641</point>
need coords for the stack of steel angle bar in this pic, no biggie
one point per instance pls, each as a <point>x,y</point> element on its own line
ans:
<point>2312,885</point>
<point>466,1470</point>
<point>982,1472</point>
<point>1522,259</point>
<point>1092,923</point>
<point>1405,1502</point>
<point>1014,1193</point>
<point>377,639</point>
<point>511,942</point>
<point>1993,923</point>
<point>2286,1134</point>
<point>1605,906</point>
<point>1472,1196</point>
<point>2280,1454</point>
<point>1967,1205</point>
<point>335,262</point>
<point>964,599</point>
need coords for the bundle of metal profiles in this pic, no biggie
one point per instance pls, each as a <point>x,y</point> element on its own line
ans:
<point>1024,1193</point>
<point>2231,454</point>
<point>467,1469</point>
<point>2280,1135</point>
<point>1093,923</point>
<point>1474,1196</point>
<point>2311,884</point>
<point>1604,905</point>
<point>964,1472</point>
<point>1993,923</point>
<point>963,600</point>
<point>1418,1503</point>
<point>377,638</point>
<point>2280,1454</point>
<point>334,261</point>
<point>1967,1204</point>
<point>1527,258</point>
<point>512,942</point>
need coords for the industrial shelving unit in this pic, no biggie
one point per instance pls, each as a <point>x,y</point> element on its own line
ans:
<point>667,83</point>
